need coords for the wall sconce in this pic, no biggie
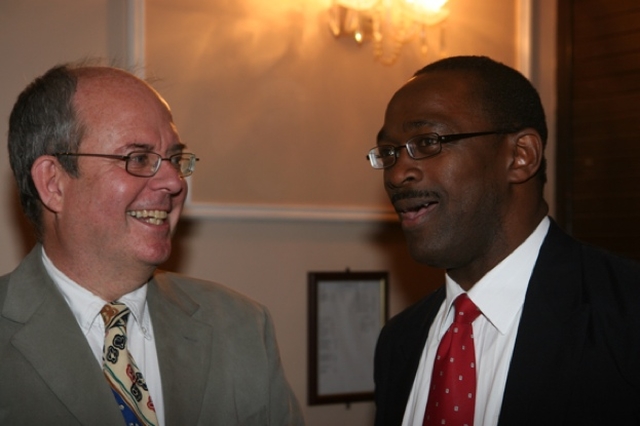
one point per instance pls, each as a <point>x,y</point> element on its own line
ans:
<point>388,23</point>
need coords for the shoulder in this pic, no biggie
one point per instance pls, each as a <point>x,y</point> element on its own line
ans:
<point>414,320</point>
<point>593,296</point>
<point>600,270</point>
<point>612,284</point>
<point>564,257</point>
<point>418,310</point>
<point>205,300</point>
<point>611,266</point>
<point>572,278</point>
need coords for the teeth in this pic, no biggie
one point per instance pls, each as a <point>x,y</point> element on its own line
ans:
<point>155,217</point>
<point>412,209</point>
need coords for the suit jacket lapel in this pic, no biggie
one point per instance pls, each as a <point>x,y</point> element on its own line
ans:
<point>67,364</point>
<point>183,345</point>
<point>407,353</point>
<point>412,344</point>
<point>551,334</point>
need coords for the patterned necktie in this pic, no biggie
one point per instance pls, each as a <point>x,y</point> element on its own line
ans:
<point>453,381</point>
<point>121,371</point>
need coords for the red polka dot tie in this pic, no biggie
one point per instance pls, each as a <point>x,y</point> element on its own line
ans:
<point>453,382</point>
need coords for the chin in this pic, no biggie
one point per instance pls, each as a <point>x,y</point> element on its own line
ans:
<point>426,254</point>
<point>156,256</point>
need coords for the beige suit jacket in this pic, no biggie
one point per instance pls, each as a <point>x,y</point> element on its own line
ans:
<point>218,357</point>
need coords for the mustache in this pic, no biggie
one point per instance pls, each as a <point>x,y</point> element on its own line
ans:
<point>411,193</point>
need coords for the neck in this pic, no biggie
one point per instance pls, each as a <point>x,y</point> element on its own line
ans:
<point>514,233</point>
<point>110,284</point>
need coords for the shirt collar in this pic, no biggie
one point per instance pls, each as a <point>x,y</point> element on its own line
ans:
<point>501,292</point>
<point>136,301</point>
<point>86,306</point>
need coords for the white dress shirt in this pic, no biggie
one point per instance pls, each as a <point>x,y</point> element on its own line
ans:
<point>86,308</point>
<point>500,297</point>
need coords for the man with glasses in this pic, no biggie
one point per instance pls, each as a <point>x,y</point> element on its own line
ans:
<point>531,327</point>
<point>90,332</point>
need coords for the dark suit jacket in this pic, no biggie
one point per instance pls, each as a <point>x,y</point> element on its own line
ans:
<point>576,359</point>
<point>217,353</point>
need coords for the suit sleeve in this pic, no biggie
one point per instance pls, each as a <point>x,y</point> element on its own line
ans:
<point>284,408</point>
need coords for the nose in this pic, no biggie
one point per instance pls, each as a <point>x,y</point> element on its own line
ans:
<point>168,178</point>
<point>403,172</point>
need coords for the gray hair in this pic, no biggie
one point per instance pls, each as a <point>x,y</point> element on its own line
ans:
<point>43,121</point>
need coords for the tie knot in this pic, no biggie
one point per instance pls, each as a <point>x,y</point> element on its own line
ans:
<point>466,310</point>
<point>114,314</point>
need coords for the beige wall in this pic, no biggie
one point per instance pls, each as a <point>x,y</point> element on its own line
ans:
<point>231,69</point>
<point>252,81</point>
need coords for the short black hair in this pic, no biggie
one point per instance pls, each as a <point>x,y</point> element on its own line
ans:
<point>508,98</point>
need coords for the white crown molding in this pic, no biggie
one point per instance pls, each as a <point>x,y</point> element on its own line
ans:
<point>286,212</point>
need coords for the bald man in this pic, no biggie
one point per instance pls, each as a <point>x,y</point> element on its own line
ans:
<point>101,174</point>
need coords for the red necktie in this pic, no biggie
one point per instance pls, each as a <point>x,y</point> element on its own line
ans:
<point>453,381</point>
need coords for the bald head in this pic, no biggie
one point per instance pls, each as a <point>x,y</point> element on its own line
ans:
<point>50,115</point>
<point>106,99</point>
<point>96,81</point>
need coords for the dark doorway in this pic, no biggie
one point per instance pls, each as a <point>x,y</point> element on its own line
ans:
<point>599,122</point>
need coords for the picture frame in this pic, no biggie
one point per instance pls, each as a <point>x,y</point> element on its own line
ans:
<point>346,313</point>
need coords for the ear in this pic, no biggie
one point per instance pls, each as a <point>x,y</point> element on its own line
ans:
<point>48,177</point>
<point>526,156</point>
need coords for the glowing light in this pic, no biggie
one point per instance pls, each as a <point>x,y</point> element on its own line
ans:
<point>389,23</point>
<point>359,5</point>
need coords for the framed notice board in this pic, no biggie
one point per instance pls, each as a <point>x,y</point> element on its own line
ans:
<point>346,312</point>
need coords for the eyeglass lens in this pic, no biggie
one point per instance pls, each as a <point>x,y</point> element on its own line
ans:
<point>148,163</point>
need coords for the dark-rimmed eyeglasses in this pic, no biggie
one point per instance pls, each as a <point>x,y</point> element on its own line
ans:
<point>419,147</point>
<point>145,163</point>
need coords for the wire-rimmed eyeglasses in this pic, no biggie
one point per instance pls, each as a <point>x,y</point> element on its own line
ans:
<point>418,147</point>
<point>146,163</point>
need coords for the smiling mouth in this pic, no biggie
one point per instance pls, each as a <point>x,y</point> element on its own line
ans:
<point>413,205</point>
<point>154,217</point>
<point>413,212</point>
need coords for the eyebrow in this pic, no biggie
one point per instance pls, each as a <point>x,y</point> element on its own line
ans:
<point>416,124</point>
<point>177,147</point>
<point>382,135</point>
<point>408,126</point>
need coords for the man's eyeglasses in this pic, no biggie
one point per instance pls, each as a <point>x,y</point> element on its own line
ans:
<point>418,147</point>
<point>146,164</point>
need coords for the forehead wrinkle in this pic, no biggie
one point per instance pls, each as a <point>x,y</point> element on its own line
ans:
<point>147,147</point>
<point>139,145</point>
<point>410,126</point>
